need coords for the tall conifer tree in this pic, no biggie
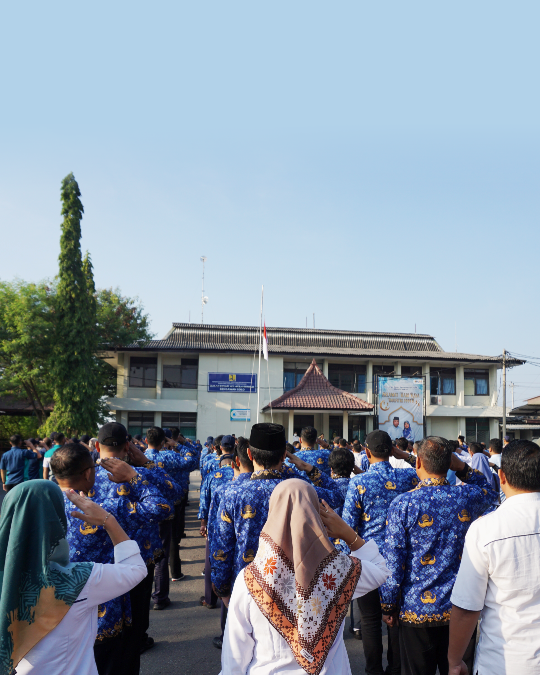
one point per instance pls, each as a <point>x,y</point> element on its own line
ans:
<point>76,391</point>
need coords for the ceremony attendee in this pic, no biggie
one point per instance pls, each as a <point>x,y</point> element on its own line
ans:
<point>49,605</point>
<point>366,507</point>
<point>341,463</point>
<point>244,513</point>
<point>480,462</point>
<point>34,467</point>
<point>499,577</point>
<point>308,453</point>
<point>402,444</point>
<point>424,540</point>
<point>13,462</point>
<point>59,440</point>
<point>288,606</point>
<point>360,458</point>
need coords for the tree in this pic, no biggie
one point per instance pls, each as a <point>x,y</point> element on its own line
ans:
<point>74,368</point>
<point>26,343</point>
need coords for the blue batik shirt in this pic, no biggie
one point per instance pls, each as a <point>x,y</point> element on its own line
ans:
<point>318,458</point>
<point>208,464</point>
<point>222,475</point>
<point>424,542</point>
<point>343,484</point>
<point>227,488</point>
<point>370,495</point>
<point>177,463</point>
<point>134,505</point>
<point>243,514</point>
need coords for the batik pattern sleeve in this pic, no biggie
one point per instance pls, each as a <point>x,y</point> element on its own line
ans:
<point>353,508</point>
<point>222,547</point>
<point>395,554</point>
<point>167,487</point>
<point>325,486</point>
<point>482,498</point>
<point>204,499</point>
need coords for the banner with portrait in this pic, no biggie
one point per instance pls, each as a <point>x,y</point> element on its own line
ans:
<point>401,407</point>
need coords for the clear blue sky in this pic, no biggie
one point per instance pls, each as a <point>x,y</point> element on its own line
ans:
<point>374,163</point>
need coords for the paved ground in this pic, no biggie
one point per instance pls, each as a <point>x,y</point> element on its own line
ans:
<point>184,631</point>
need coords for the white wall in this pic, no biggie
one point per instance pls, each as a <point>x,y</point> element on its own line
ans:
<point>447,427</point>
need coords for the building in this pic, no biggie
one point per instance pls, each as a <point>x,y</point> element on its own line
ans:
<point>203,378</point>
<point>525,422</point>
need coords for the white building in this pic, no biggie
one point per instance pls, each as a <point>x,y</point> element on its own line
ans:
<point>197,377</point>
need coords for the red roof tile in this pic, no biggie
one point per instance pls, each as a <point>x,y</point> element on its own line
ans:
<point>316,393</point>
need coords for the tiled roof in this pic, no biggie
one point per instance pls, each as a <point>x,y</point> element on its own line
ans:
<point>316,393</point>
<point>15,406</point>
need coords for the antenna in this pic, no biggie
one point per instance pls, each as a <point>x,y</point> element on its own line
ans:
<point>204,299</point>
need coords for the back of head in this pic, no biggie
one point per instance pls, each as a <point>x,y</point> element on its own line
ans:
<point>16,440</point>
<point>356,446</point>
<point>402,443</point>
<point>217,444</point>
<point>155,437</point>
<point>267,444</point>
<point>475,448</point>
<point>496,445</point>
<point>240,451</point>
<point>341,461</point>
<point>175,432</point>
<point>520,463</point>
<point>113,436</point>
<point>59,439</point>
<point>343,443</point>
<point>337,440</point>
<point>309,436</point>
<point>461,438</point>
<point>71,460</point>
<point>379,444</point>
<point>85,438</point>
<point>436,454</point>
<point>290,448</point>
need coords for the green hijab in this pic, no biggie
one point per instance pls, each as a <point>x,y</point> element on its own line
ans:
<point>38,582</point>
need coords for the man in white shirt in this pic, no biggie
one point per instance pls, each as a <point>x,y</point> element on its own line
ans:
<point>395,431</point>
<point>499,576</point>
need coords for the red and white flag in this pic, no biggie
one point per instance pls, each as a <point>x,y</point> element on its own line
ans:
<point>265,343</point>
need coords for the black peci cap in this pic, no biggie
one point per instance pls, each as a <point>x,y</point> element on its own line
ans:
<point>112,434</point>
<point>267,436</point>
<point>378,441</point>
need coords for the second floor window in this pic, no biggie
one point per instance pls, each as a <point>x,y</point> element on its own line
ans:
<point>442,381</point>
<point>183,376</point>
<point>292,375</point>
<point>143,371</point>
<point>476,382</point>
<point>348,376</point>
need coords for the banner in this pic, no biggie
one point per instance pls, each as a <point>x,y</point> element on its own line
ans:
<point>401,407</point>
<point>240,383</point>
<point>240,415</point>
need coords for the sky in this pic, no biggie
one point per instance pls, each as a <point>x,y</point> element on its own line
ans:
<point>374,164</point>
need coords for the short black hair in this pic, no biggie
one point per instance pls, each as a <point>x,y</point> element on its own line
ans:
<point>138,437</point>
<point>267,458</point>
<point>402,443</point>
<point>59,438</point>
<point>461,438</point>
<point>296,444</point>
<point>520,463</point>
<point>343,443</point>
<point>357,446</point>
<point>309,435</point>
<point>240,451</point>
<point>155,436</point>
<point>475,448</point>
<point>436,454</point>
<point>16,440</point>
<point>337,439</point>
<point>217,444</point>
<point>175,432</point>
<point>291,448</point>
<point>85,438</point>
<point>71,460</point>
<point>341,461</point>
<point>496,445</point>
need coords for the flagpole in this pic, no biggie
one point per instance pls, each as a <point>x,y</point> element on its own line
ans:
<point>260,349</point>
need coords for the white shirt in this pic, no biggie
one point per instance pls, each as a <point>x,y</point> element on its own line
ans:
<point>69,648</point>
<point>394,432</point>
<point>500,575</point>
<point>251,644</point>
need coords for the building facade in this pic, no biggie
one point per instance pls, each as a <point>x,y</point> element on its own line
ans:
<point>205,380</point>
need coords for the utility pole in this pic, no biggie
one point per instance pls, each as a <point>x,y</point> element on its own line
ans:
<point>512,388</point>
<point>504,393</point>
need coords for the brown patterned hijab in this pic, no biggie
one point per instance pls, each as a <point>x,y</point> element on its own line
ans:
<point>298,580</point>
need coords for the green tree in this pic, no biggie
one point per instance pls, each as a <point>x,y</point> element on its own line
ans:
<point>26,343</point>
<point>74,369</point>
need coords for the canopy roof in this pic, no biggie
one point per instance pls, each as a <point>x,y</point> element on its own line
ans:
<point>316,393</point>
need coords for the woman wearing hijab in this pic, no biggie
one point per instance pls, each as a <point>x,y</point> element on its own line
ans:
<point>408,433</point>
<point>480,462</point>
<point>49,606</point>
<point>288,606</point>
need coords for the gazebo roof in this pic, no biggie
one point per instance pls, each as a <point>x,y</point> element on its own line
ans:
<point>316,393</point>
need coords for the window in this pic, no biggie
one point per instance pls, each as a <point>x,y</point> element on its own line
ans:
<point>357,428</point>
<point>476,382</point>
<point>292,374</point>
<point>349,377</point>
<point>301,421</point>
<point>411,371</point>
<point>442,381</point>
<point>477,430</point>
<point>381,371</point>
<point>142,371</point>
<point>182,376</point>
<point>336,426</point>
<point>140,422</point>
<point>186,422</point>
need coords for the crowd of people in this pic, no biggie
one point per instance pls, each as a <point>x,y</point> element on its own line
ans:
<point>422,538</point>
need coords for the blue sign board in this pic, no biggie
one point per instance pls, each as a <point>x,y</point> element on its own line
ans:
<point>239,383</point>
